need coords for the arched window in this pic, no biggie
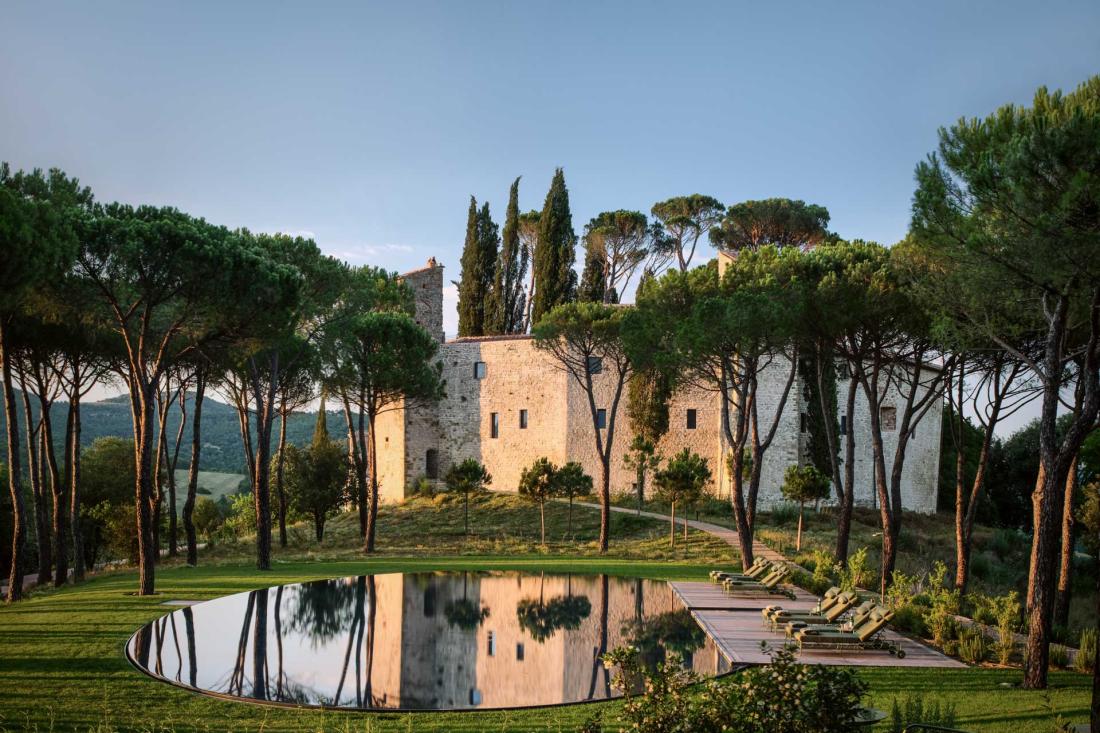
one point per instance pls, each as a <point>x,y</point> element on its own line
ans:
<point>431,463</point>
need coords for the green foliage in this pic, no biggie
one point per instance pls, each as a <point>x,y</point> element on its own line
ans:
<point>972,646</point>
<point>616,243</point>
<point>823,568</point>
<point>782,695</point>
<point>571,481</point>
<point>943,605</point>
<point>817,391</point>
<point>107,490</point>
<point>479,263</point>
<point>315,478</point>
<point>1059,656</point>
<point>777,222</point>
<point>208,517</point>
<point>504,311</point>
<point>240,519</point>
<point>467,477</point>
<point>804,484</point>
<point>913,710</point>
<point>537,480</point>
<point>687,219</point>
<point>683,478</point>
<point>857,572</point>
<point>555,280</point>
<point>1086,650</point>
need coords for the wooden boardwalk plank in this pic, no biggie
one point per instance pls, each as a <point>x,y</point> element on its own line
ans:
<point>735,626</point>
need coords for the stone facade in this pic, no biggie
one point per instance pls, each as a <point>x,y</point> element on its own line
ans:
<point>491,380</point>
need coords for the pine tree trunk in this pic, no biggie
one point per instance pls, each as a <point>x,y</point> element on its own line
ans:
<point>372,513</point>
<point>193,470</point>
<point>605,499</point>
<point>41,520</point>
<point>74,473</point>
<point>279,474</point>
<point>15,477</point>
<point>1065,570</point>
<point>672,526</point>
<point>142,405</point>
<point>319,525</point>
<point>798,537</point>
<point>60,506</point>
<point>847,504</point>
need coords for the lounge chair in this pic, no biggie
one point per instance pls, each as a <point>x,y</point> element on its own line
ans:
<point>844,602</point>
<point>868,636</point>
<point>766,586</point>
<point>759,568</point>
<point>824,604</point>
<point>860,615</point>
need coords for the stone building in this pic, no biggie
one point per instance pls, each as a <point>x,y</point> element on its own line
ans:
<point>507,404</point>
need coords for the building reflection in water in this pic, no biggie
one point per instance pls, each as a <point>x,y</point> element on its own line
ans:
<point>429,641</point>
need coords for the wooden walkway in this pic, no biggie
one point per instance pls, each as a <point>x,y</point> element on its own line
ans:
<point>736,627</point>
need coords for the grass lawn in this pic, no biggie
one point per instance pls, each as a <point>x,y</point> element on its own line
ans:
<point>62,665</point>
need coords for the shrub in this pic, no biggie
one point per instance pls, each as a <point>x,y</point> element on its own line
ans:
<point>972,646</point>
<point>910,619</point>
<point>784,513</point>
<point>981,566</point>
<point>823,566</point>
<point>1006,613</point>
<point>902,590</point>
<point>943,606</point>
<point>1059,657</point>
<point>1003,542</point>
<point>783,695</point>
<point>240,519</point>
<point>856,573</point>
<point>1086,651</point>
<point>207,517</point>
<point>913,710</point>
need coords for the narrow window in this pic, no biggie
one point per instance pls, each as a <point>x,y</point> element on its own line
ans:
<point>843,424</point>
<point>479,370</point>
<point>691,418</point>
<point>494,424</point>
<point>595,365</point>
<point>431,463</point>
<point>492,644</point>
<point>429,601</point>
<point>888,417</point>
<point>523,419</point>
<point>519,652</point>
<point>475,697</point>
<point>601,419</point>
<point>803,422</point>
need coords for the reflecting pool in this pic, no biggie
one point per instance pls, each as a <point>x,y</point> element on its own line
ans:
<point>422,641</point>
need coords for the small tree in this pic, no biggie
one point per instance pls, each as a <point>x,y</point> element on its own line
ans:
<point>571,481</point>
<point>537,483</point>
<point>681,481</point>
<point>803,484</point>
<point>315,479</point>
<point>469,477</point>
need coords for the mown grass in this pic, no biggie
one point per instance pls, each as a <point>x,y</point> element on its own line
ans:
<point>61,652</point>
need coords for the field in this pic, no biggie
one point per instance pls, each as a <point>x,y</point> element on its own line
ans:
<point>212,484</point>
<point>62,668</point>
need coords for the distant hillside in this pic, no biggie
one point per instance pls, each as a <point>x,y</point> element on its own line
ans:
<point>221,434</point>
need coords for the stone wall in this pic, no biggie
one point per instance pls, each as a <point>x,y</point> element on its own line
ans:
<point>519,377</point>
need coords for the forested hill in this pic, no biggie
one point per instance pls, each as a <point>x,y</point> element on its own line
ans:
<point>221,434</point>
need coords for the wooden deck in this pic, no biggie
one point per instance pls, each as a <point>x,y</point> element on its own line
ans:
<point>735,626</point>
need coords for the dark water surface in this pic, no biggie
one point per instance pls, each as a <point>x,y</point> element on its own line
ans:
<point>422,641</point>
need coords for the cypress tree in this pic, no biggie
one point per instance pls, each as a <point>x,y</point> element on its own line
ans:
<point>479,255</point>
<point>320,430</point>
<point>555,279</point>
<point>506,302</point>
<point>593,287</point>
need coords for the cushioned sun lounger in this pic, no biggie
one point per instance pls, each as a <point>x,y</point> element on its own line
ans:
<point>860,616</point>
<point>844,603</point>
<point>759,568</point>
<point>867,637</point>
<point>766,586</point>
<point>824,604</point>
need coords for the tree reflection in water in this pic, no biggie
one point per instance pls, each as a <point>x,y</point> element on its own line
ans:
<point>541,619</point>
<point>658,637</point>
<point>383,643</point>
<point>322,609</point>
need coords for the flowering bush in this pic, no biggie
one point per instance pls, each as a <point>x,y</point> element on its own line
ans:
<point>781,697</point>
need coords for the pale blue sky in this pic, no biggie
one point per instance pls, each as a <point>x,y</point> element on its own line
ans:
<point>370,125</point>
